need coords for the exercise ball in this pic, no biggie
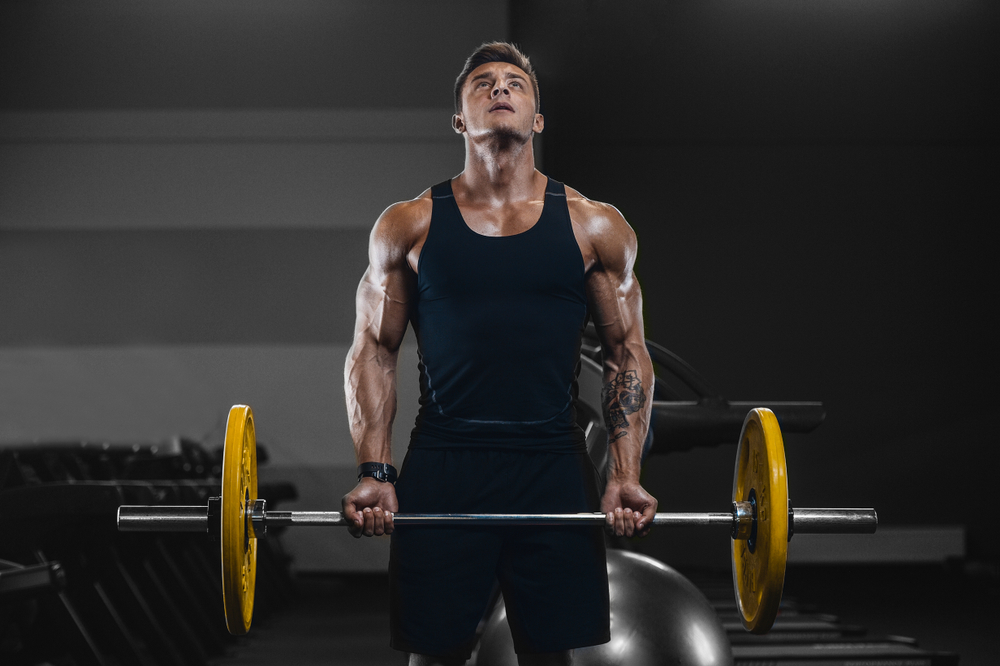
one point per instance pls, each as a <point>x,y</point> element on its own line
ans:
<point>658,617</point>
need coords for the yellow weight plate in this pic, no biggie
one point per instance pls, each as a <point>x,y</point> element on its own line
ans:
<point>239,545</point>
<point>759,562</point>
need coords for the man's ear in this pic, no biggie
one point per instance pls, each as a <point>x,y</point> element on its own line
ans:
<point>458,123</point>
<point>539,124</point>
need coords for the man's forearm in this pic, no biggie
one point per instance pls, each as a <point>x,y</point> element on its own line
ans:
<point>370,388</point>
<point>627,401</point>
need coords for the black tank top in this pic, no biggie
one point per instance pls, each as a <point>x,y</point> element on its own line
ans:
<point>498,321</point>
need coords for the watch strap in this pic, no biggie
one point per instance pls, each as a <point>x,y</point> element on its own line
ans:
<point>379,471</point>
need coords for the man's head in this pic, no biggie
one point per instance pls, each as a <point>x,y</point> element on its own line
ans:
<point>495,52</point>
<point>496,99</point>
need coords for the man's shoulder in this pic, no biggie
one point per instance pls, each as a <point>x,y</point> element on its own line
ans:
<point>404,220</point>
<point>599,223</point>
<point>409,212</point>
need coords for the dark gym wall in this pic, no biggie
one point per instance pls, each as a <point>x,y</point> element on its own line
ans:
<point>813,185</point>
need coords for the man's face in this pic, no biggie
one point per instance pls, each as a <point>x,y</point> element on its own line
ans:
<point>498,95</point>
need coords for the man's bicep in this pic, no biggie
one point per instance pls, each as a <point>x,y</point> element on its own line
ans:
<point>616,308</point>
<point>383,296</point>
<point>382,307</point>
<point>612,290</point>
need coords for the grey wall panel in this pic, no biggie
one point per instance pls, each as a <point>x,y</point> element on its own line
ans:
<point>239,53</point>
<point>152,393</point>
<point>168,287</point>
<point>97,185</point>
<point>227,125</point>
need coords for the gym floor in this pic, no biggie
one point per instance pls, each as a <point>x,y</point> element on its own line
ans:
<point>950,607</point>
<point>344,619</point>
<point>340,620</point>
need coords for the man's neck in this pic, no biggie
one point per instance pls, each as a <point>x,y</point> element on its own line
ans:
<point>505,175</point>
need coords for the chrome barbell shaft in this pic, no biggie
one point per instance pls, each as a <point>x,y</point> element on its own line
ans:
<point>834,521</point>
<point>136,518</point>
<point>335,518</point>
<point>132,518</point>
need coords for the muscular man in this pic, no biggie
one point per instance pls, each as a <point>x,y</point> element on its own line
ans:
<point>498,270</point>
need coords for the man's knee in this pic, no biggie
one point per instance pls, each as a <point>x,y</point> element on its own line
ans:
<point>546,659</point>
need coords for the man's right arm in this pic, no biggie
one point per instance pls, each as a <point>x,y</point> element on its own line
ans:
<point>383,305</point>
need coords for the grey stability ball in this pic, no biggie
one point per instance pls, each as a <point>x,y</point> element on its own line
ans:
<point>658,617</point>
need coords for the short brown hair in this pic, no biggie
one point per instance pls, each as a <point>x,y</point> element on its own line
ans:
<point>495,52</point>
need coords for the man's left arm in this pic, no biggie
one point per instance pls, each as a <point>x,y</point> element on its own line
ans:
<point>615,302</point>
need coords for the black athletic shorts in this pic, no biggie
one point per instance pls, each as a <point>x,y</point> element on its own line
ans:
<point>554,579</point>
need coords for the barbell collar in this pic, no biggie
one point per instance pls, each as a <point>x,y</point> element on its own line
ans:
<point>214,518</point>
<point>258,517</point>
<point>742,520</point>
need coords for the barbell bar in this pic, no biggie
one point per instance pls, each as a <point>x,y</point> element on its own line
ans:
<point>132,518</point>
<point>759,531</point>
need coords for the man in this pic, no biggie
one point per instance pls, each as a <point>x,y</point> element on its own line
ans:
<point>498,270</point>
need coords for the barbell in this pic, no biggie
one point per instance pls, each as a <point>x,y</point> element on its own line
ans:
<point>761,521</point>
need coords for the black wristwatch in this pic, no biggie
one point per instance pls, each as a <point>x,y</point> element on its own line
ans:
<point>379,471</point>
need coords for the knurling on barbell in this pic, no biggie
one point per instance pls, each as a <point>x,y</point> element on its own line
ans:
<point>760,520</point>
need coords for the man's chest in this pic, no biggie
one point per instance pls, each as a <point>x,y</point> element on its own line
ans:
<point>503,220</point>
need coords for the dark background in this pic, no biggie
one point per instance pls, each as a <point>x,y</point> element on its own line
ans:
<point>814,188</point>
<point>813,184</point>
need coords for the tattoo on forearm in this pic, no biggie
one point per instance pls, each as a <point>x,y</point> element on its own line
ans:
<point>621,396</point>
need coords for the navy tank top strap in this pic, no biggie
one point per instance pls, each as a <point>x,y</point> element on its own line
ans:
<point>558,209</point>
<point>555,187</point>
<point>442,190</point>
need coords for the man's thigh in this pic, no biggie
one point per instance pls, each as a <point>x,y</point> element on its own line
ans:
<point>441,581</point>
<point>442,578</point>
<point>555,588</point>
